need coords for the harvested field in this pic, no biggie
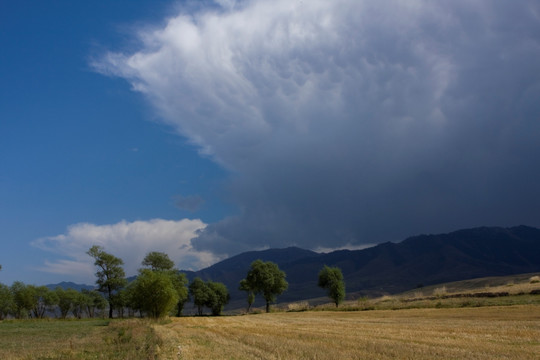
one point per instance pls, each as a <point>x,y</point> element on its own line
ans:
<point>510,332</point>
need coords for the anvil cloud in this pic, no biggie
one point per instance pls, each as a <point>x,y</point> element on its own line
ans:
<point>351,121</point>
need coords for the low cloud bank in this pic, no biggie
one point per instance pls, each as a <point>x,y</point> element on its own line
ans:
<point>130,241</point>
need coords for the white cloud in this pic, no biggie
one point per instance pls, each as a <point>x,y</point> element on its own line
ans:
<point>130,241</point>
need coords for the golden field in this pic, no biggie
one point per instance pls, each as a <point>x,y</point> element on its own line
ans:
<point>493,332</point>
<point>511,332</point>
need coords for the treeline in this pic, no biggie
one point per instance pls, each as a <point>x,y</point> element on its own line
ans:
<point>159,290</point>
<point>29,301</point>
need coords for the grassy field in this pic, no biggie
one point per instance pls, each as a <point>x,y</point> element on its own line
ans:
<point>81,339</point>
<point>511,332</point>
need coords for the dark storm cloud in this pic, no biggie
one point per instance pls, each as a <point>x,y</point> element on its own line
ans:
<point>351,122</point>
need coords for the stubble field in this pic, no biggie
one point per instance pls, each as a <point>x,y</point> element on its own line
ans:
<point>498,332</point>
<point>471,333</point>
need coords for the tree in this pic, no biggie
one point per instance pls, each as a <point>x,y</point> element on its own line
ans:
<point>120,300</point>
<point>66,300</point>
<point>43,300</point>
<point>154,293</point>
<point>267,279</point>
<point>213,295</point>
<point>158,261</point>
<point>331,279</point>
<point>251,296</point>
<point>110,276</point>
<point>180,283</point>
<point>22,298</point>
<point>95,301</point>
<point>79,305</point>
<point>6,301</point>
<point>199,293</point>
<point>218,298</point>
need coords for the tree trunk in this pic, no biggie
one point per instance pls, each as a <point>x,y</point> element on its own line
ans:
<point>110,311</point>
<point>268,306</point>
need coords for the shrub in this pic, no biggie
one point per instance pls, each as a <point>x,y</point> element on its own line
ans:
<point>534,279</point>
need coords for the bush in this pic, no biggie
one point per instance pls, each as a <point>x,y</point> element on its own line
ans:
<point>534,279</point>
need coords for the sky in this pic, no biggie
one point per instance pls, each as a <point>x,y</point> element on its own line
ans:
<point>207,128</point>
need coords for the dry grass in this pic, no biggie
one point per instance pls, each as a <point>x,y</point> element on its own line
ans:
<point>472,333</point>
<point>513,288</point>
<point>513,284</point>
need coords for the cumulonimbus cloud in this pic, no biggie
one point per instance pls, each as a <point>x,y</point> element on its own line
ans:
<point>130,241</point>
<point>352,121</point>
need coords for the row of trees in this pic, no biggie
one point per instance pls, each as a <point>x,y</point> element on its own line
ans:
<point>23,301</point>
<point>158,290</point>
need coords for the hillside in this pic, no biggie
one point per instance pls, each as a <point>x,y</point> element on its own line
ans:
<point>391,268</point>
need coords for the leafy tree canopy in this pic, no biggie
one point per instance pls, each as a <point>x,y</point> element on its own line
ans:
<point>219,297</point>
<point>331,279</point>
<point>265,278</point>
<point>6,301</point>
<point>213,295</point>
<point>158,261</point>
<point>154,293</point>
<point>110,276</point>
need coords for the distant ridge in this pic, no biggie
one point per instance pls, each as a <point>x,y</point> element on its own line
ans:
<point>391,268</point>
<point>70,285</point>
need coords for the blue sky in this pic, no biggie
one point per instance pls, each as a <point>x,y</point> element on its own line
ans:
<point>207,128</point>
<point>78,147</point>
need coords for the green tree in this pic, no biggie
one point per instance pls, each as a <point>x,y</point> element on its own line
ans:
<point>158,261</point>
<point>199,293</point>
<point>154,293</point>
<point>80,304</point>
<point>95,301</point>
<point>6,301</point>
<point>134,302</point>
<point>65,300</point>
<point>251,296</point>
<point>218,297</point>
<point>22,298</point>
<point>180,283</point>
<point>267,279</point>
<point>43,300</point>
<point>110,276</point>
<point>120,300</point>
<point>331,279</point>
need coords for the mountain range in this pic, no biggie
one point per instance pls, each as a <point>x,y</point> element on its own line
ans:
<point>391,268</point>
